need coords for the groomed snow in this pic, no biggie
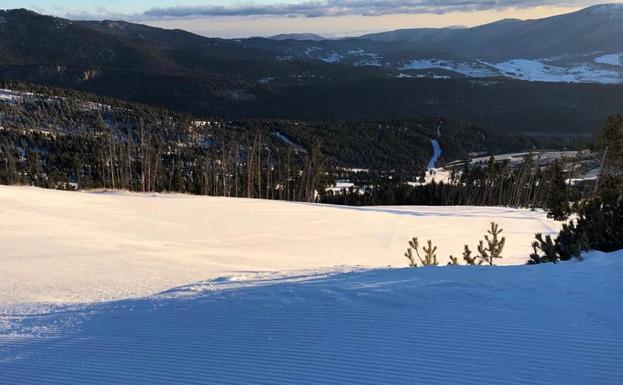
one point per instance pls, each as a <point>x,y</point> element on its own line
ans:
<point>74,247</point>
<point>522,325</point>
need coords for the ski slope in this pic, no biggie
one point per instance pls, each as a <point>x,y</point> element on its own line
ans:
<point>131,289</point>
<point>75,247</point>
<point>520,325</point>
<point>436,154</point>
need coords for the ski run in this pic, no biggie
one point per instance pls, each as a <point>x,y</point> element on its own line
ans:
<point>120,288</point>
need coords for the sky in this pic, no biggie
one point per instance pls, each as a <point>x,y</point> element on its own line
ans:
<point>234,18</point>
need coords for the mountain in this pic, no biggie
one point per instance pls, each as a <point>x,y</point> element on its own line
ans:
<point>583,46</point>
<point>597,28</point>
<point>372,77</point>
<point>297,36</point>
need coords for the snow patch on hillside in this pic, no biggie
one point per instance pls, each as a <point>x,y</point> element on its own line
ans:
<point>436,154</point>
<point>539,70</point>
<point>614,59</point>
<point>333,58</point>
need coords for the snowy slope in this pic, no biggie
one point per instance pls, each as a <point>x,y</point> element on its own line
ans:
<point>436,154</point>
<point>591,71</point>
<point>79,247</point>
<point>549,324</point>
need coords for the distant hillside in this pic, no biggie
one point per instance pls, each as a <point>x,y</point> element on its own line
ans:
<point>582,47</point>
<point>55,137</point>
<point>595,29</point>
<point>370,78</point>
<point>297,36</point>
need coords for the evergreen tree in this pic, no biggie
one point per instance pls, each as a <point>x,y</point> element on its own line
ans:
<point>430,256</point>
<point>495,245</point>
<point>557,202</point>
<point>467,257</point>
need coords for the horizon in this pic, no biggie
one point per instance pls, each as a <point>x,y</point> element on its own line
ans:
<point>330,19</point>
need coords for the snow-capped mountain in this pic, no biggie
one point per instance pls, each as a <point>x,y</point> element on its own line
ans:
<point>582,47</point>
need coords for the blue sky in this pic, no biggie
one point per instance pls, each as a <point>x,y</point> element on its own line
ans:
<point>229,18</point>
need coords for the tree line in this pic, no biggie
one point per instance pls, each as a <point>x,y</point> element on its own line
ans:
<point>530,185</point>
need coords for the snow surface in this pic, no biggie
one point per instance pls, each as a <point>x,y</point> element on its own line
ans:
<point>521,325</point>
<point>71,247</point>
<point>436,154</point>
<point>539,70</point>
<point>333,58</point>
<point>529,69</point>
<point>614,59</point>
<point>238,291</point>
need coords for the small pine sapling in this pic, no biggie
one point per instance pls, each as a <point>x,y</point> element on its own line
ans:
<point>467,257</point>
<point>495,245</point>
<point>430,256</point>
<point>413,245</point>
<point>429,259</point>
<point>454,261</point>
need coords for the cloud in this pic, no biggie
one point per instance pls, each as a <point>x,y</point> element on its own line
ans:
<point>315,8</point>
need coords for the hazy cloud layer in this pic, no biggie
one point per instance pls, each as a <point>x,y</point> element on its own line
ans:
<point>351,7</point>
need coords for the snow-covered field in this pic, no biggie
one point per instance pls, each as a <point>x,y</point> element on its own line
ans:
<point>120,288</point>
<point>76,247</point>
<point>603,69</point>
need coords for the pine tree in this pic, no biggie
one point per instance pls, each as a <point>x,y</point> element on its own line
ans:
<point>558,198</point>
<point>430,256</point>
<point>409,254</point>
<point>543,250</point>
<point>495,245</point>
<point>454,261</point>
<point>467,257</point>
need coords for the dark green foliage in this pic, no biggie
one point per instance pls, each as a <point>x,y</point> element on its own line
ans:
<point>490,184</point>
<point>598,226</point>
<point>610,145</point>
<point>398,149</point>
<point>557,202</point>
<point>544,250</point>
<point>599,220</point>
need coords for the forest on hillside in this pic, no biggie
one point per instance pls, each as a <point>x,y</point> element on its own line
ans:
<point>61,138</point>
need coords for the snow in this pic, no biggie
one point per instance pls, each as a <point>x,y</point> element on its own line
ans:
<point>539,70</point>
<point>516,158</point>
<point>530,69</point>
<point>614,59</point>
<point>129,289</point>
<point>522,325</point>
<point>341,186</point>
<point>436,154</point>
<point>287,141</point>
<point>74,247</point>
<point>333,58</point>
